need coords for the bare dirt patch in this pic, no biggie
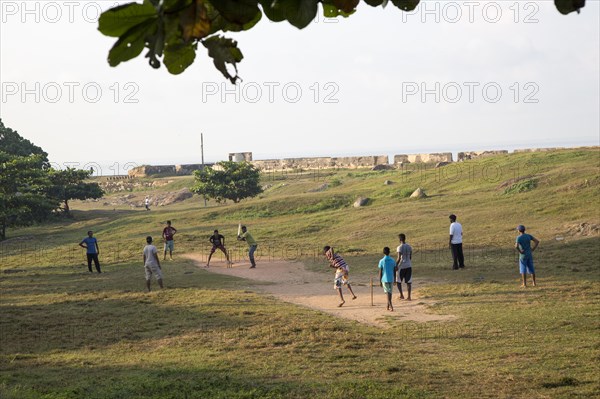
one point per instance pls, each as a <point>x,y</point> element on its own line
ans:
<point>582,229</point>
<point>291,282</point>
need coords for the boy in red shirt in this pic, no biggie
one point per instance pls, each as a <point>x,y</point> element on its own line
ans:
<point>168,233</point>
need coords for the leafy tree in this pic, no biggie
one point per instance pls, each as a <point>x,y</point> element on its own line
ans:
<point>12,143</point>
<point>228,181</point>
<point>30,191</point>
<point>24,183</point>
<point>69,184</point>
<point>172,29</point>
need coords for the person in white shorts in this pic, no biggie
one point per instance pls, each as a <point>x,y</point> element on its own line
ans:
<point>152,263</point>
<point>341,273</point>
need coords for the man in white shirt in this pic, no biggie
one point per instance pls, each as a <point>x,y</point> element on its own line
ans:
<point>152,263</point>
<point>455,243</point>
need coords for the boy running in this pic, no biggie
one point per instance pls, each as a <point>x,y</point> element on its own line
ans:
<point>152,263</point>
<point>404,264</point>
<point>387,276</point>
<point>218,242</point>
<point>341,272</point>
<point>523,245</point>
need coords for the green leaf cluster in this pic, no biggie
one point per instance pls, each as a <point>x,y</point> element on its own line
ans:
<point>228,181</point>
<point>568,6</point>
<point>171,29</point>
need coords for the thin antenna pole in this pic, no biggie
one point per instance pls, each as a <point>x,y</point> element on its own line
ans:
<point>202,152</point>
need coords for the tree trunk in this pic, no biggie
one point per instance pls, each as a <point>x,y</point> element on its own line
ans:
<point>67,207</point>
<point>3,229</point>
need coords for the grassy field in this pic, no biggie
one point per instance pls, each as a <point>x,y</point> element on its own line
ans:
<point>65,333</point>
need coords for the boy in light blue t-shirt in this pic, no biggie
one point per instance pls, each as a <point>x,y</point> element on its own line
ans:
<point>387,276</point>
<point>92,250</point>
<point>523,245</point>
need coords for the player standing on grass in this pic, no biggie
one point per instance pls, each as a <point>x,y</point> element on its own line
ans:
<point>92,250</point>
<point>218,242</point>
<point>456,244</point>
<point>404,264</point>
<point>387,276</point>
<point>167,234</point>
<point>252,245</point>
<point>152,263</point>
<point>341,272</point>
<point>523,245</point>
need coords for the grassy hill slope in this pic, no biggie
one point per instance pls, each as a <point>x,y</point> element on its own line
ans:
<point>67,334</point>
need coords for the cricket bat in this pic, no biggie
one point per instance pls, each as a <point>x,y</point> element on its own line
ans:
<point>239,229</point>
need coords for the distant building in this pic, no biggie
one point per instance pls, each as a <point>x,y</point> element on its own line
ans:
<point>240,156</point>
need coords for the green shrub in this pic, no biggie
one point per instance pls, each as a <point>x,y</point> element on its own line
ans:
<point>405,193</point>
<point>521,186</point>
<point>335,183</point>
<point>330,203</point>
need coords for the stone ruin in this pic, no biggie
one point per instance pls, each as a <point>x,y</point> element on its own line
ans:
<point>374,162</point>
<point>321,163</point>
<point>464,156</point>
<point>423,158</point>
<point>537,149</point>
<point>240,156</point>
<point>165,170</point>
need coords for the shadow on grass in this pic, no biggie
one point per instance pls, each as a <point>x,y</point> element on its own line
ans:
<point>190,342</point>
<point>181,382</point>
<point>79,216</point>
<point>124,277</point>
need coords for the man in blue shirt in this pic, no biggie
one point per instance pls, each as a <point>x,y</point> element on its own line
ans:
<point>92,249</point>
<point>387,276</point>
<point>523,245</point>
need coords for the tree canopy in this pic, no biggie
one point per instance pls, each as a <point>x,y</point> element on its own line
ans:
<point>228,181</point>
<point>23,186</point>
<point>30,190</point>
<point>12,143</point>
<point>172,29</point>
<point>69,184</point>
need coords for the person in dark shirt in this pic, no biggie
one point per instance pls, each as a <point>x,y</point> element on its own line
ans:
<point>218,242</point>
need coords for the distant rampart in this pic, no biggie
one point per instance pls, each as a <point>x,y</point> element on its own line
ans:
<point>164,170</point>
<point>370,161</point>
<point>423,158</point>
<point>322,162</point>
<point>465,156</point>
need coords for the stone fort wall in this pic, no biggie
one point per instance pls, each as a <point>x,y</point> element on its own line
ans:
<point>322,162</point>
<point>308,163</point>
<point>165,170</point>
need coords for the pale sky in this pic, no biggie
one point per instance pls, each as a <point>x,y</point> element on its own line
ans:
<point>506,75</point>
